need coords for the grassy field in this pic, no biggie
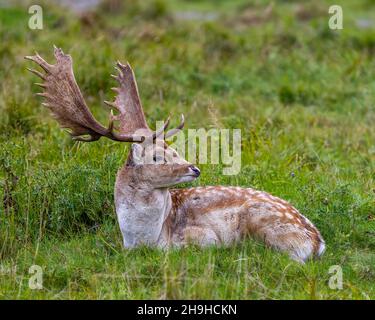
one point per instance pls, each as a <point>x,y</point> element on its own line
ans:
<point>303,95</point>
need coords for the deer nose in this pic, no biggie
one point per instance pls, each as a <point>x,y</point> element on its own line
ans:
<point>195,170</point>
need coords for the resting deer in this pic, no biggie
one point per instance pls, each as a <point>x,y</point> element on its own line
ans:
<point>148,211</point>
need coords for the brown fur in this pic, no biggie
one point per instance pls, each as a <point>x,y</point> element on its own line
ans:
<point>191,206</point>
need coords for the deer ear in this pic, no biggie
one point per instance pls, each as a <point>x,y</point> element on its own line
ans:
<point>136,153</point>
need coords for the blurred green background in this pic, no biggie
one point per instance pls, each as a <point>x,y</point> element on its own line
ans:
<point>302,94</point>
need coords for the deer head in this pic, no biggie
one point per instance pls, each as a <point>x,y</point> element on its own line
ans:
<point>150,160</point>
<point>159,166</point>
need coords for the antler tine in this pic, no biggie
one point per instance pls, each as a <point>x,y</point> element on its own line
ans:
<point>122,66</point>
<point>162,129</point>
<point>42,85</point>
<point>110,104</point>
<point>42,94</point>
<point>58,52</point>
<point>91,138</point>
<point>115,77</point>
<point>41,62</point>
<point>111,119</point>
<point>37,73</point>
<point>172,132</point>
<point>121,69</point>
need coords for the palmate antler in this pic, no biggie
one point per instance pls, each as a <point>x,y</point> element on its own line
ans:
<point>66,102</point>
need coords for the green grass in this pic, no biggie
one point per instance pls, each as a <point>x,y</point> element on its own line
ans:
<point>302,94</point>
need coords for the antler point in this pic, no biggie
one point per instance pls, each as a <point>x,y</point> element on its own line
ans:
<point>111,104</point>
<point>41,84</point>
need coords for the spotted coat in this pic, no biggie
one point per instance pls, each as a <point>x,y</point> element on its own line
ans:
<point>224,215</point>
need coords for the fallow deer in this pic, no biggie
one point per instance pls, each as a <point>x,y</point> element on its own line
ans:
<point>148,211</point>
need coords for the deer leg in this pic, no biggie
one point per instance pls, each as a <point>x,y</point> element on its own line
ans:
<point>200,236</point>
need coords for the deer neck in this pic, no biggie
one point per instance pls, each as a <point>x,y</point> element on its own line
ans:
<point>141,211</point>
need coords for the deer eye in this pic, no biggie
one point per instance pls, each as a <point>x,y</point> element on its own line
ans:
<point>158,159</point>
